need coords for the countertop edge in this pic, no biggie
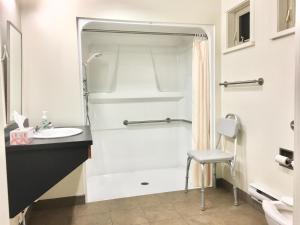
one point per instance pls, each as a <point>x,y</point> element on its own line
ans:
<point>83,139</point>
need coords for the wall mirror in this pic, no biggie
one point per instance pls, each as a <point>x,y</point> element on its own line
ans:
<point>14,71</point>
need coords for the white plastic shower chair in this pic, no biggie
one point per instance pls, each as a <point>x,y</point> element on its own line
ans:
<point>227,128</point>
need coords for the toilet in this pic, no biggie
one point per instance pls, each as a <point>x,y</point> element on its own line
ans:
<point>279,212</point>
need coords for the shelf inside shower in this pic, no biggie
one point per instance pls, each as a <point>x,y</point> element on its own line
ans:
<point>134,97</point>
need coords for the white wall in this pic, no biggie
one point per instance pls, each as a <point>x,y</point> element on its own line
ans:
<point>265,112</point>
<point>4,210</point>
<point>51,63</point>
<point>297,121</point>
<point>9,10</point>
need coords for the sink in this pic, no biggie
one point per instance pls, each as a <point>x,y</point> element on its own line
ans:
<point>57,132</point>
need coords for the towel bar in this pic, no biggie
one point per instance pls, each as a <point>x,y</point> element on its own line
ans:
<point>259,81</point>
<point>167,120</point>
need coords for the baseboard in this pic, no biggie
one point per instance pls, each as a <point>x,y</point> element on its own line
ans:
<point>222,183</point>
<point>59,202</point>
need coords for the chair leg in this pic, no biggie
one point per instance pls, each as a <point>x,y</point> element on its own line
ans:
<point>214,175</point>
<point>236,201</point>
<point>235,194</point>
<point>202,201</point>
<point>188,163</point>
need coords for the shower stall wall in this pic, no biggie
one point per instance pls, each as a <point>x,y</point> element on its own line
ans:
<point>137,77</point>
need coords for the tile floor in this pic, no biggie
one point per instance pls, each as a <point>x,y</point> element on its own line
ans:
<point>173,208</point>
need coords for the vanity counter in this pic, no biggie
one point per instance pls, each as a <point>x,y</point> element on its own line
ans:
<point>35,168</point>
<point>84,138</point>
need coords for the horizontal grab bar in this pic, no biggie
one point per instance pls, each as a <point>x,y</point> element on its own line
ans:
<point>259,81</point>
<point>167,120</point>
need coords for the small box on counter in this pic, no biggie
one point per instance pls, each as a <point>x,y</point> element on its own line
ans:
<point>22,136</point>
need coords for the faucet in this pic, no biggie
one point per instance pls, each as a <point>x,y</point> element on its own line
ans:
<point>45,124</point>
<point>43,127</point>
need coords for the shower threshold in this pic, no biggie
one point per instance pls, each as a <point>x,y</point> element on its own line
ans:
<point>120,185</point>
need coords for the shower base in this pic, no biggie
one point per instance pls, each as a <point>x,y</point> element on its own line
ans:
<point>120,185</point>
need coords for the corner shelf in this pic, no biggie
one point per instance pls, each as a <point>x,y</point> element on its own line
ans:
<point>98,98</point>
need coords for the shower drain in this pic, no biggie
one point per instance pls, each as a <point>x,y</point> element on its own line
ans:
<point>144,183</point>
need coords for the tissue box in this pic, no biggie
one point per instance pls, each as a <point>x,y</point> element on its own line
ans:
<point>21,136</point>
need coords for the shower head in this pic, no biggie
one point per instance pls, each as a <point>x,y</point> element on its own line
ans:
<point>94,55</point>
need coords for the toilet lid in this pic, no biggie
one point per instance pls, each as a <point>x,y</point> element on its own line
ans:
<point>287,200</point>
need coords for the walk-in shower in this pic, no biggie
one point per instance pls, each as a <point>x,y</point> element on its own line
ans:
<point>139,102</point>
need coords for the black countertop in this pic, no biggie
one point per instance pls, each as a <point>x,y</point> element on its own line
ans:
<point>84,138</point>
<point>35,168</point>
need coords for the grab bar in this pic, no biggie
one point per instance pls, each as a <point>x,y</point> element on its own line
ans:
<point>167,120</point>
<point>259,81</point>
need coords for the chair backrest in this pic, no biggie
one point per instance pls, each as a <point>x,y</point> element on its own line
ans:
<point>229,127</point>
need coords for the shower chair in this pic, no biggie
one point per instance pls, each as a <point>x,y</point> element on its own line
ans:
<point>227,129</point>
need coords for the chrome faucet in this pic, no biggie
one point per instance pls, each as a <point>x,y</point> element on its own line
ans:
<point>44,126</point>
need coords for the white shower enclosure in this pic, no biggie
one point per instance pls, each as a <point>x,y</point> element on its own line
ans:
<point>144,72</point>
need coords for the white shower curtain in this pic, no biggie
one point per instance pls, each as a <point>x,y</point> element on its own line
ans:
<point>201,106</point>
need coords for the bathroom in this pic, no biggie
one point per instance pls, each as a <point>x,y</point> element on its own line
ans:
<point>143,72</point>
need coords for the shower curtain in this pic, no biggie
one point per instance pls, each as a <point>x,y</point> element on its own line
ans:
<point>201,106</point>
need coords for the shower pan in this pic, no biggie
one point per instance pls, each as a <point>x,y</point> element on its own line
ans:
<point>144,74</point>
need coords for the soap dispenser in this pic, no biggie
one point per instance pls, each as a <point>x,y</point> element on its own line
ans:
<point>44,119</point>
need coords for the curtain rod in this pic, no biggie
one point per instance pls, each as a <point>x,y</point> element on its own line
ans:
<point>143,32</point>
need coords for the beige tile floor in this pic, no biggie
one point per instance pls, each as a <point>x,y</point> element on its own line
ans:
<point>174,208</point>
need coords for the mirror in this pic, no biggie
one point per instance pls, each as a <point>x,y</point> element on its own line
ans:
<point>14,71</point>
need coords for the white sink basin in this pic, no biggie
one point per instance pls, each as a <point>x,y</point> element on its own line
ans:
<point>57,132</point>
